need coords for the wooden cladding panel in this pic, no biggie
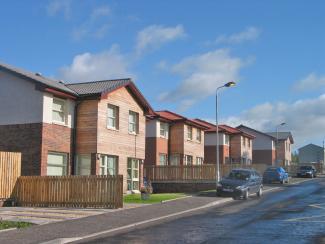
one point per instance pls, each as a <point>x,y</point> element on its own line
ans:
<point>10,170</point>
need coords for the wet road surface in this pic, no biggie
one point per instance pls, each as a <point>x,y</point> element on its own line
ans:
<point>295,214</point>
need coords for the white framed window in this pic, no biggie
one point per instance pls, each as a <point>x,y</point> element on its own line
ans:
<point>108,165</point>
<point>164,129</point>
<point>83,164</point>
<point>188,159</point>
<point>57,163</point>
<point>199,160</point>
<point>133,122</point>
<point>112,116</point>
<point>244,141</point>
<point>58,110</point>
<point>249,143</point>
<point>198,135</point>
<point>227,140</point>
<point>162,159</point>
<point>133,174</point>
<point>174,159</point>
<point>189,132</point>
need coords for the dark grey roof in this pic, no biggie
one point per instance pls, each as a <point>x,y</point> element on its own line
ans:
<point>36,77</point>
<point>281,135</point>
<point>257,131</point>
<point>97,87</point>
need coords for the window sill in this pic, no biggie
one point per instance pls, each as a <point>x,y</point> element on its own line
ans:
<point>113,129</point>
<point>59,123</point>
<point>133,133</point>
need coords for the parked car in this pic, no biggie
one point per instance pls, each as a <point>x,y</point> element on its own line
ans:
<point>275,174</point>
<point>240,183</point>
<point>307,171</point>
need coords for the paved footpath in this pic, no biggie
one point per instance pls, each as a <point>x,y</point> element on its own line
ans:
<point>70,230</point>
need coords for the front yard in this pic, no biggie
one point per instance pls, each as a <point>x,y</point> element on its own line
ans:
<point>154,198</point>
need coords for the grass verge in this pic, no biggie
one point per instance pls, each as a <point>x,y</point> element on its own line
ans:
<point>154,198</point>
<point>12,224</point>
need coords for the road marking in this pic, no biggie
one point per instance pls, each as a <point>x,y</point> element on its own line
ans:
<point>317,205</point>
<point>303,218</point>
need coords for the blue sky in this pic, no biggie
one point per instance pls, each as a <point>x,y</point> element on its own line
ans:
<point>177,52</point>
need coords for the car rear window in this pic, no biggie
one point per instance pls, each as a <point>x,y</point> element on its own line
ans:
<point>306,167</point>
<point>239,175</point>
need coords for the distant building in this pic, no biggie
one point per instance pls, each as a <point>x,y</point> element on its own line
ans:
<point>311,153</point>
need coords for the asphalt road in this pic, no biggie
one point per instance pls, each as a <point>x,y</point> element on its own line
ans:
<point>295,214</point>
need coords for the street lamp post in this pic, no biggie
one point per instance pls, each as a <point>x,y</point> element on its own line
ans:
<point>277,141</point>
<point>229,84</point>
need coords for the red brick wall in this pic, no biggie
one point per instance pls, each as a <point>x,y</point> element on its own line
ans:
<point>264,157</point>
<point>24,138</point>
<point>56,138</point>
<point>210,154</point>
<point>150,158</point>
<point>34,141</point>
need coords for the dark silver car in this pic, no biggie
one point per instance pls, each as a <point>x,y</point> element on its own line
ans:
<point>241,183</point>
<point>307,171</point>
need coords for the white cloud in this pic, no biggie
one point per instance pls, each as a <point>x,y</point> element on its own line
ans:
<point>304,118</point>
<point>96,25</point>
<point>201,75</point>
<point>311,82</point>
<point>59,6</point>
<point>154,36</point>
<point>110,64</point>
<point>249,34</point>
<point>99,12</point>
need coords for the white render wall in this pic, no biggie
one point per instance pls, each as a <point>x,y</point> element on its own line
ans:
<point>152,128</point>
<point>20,103</point>
<point>210,139</point>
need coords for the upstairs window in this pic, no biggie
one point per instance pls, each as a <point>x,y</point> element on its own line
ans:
<point>227,140</point>
<point>198,135</point>
<point>112,116</point>
<point>58,110</point>
<point>163,129</point>
<point>189,132</point>
<point>133,122</point>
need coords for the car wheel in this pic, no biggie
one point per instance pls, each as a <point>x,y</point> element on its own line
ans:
<point>282,182</point>
<point>246,195</point>
<point>260,192</point>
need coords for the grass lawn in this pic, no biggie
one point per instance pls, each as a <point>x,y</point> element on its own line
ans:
<point>154,198</point>
<point>11,224</point>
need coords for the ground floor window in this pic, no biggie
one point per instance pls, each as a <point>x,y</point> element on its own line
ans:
<point>162,159</point>
<point>108,165</point>
<point>83,164</point>
<point>57,163</point>
<point>133,174</point>
<point>174,159</point>
<point>188,160</point>
<point>199,160</point>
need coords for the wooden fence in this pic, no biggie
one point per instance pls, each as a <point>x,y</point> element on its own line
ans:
<point>69,191</point>
<point>204,172</point>
<point>10,169</point>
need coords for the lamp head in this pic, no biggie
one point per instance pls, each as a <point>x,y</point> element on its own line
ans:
<point>230,84</point>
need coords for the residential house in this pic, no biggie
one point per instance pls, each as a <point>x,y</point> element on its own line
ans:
<point>37,119</point>
<point>85,128</point>
<point>172,139</point>
<point>284,141</point>
<point>234,145</point>
<point>311,153</point>
<point>263,146</point>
